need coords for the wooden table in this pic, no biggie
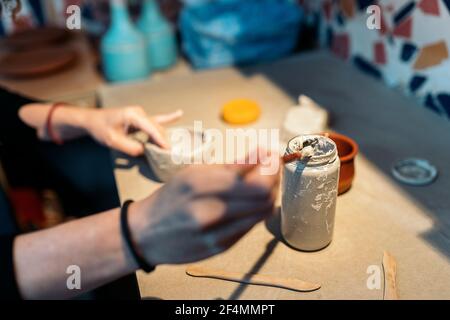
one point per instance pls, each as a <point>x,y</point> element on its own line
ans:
<point>77,84</point>
<point>377,214</point>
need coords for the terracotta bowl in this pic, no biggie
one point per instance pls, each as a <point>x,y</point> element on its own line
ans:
<point>37,62</point>
<point>34,38</point>
<point>347,151</point>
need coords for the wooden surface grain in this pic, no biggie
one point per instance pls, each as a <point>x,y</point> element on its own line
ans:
<point>81,80</point>
<point>390,277</point>
<point>378,214</point>
<point>252,278</point>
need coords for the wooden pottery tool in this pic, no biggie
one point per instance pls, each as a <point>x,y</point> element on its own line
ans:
<point>390,277</point>
<point>256,279</point>
<point>284,159</point>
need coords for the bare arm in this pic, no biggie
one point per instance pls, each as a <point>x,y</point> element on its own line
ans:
<point>94,244</point>
<point>68,122</point>
<point>203,211</point>
<point>108,126</point>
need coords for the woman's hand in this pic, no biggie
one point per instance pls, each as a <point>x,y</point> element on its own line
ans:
<point>108,126</point>
<point>201,212</point>
<point>111,127</point>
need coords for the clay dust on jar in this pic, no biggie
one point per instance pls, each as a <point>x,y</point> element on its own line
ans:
<point>309,193</point>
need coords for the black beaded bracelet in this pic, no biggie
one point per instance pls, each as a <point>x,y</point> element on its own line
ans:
<point>126,234</point>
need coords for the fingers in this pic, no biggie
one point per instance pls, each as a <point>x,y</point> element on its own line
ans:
<point>153,129</point>
<point>241,208</point>
<point>213,212</point>
<point>229,234</point>
<point>218,180</point>
<point>246,191</point>
<point>267,182</point>
<point>267,174</point>
<point>243,166</point>
<point>168,117</point>
<point>242,169</point>
<point>153,126</point>
<point>254,176</point>
<point>268,161</point>
<point>126,145</point>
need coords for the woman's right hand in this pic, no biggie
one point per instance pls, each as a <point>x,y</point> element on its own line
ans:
<point>201,212</point>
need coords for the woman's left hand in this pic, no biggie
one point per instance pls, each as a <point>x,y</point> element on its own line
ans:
<point>108,126</point>
<point>111,127</point>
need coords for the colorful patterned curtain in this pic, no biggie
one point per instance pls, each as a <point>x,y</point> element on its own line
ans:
<point>410,51</point>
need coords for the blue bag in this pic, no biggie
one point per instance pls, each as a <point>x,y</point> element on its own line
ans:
<point>226,32</point>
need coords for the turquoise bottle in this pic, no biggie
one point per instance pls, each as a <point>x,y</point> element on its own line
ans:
<point>160,37</point>
<point>123,48</point>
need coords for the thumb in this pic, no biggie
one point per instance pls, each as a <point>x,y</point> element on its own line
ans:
<point>127,145</point>
<point>242,169</point>
<point>244,166</point>
<point>250,169</point>
<point>250,162</point>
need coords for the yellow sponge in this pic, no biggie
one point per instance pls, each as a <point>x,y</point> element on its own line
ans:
<point>241,111</point>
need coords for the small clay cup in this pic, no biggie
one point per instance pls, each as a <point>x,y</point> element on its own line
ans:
<point>161,160</point>
<point>347,151</point>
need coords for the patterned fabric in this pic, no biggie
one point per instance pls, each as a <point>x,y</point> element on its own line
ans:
<point>95,14</point>
<point>410,51</point>
<point>29,16</point>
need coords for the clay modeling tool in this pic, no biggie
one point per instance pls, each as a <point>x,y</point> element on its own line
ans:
<point>256,279</point>
<point>307,152</point>
<point>390,277</point>
<point>288,158</point>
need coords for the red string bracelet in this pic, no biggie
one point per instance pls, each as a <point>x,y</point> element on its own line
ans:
<point>48,124</point>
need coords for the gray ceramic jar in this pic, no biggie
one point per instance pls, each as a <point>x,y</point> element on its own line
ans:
<point>309,194</point>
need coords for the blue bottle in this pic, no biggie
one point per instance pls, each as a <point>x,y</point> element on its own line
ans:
<point>123,48</point>
<point>160,37</point>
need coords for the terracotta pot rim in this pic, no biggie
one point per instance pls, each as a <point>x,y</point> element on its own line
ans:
<point>349,157</point>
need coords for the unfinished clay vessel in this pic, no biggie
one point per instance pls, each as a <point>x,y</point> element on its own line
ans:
<point>167,162</point>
